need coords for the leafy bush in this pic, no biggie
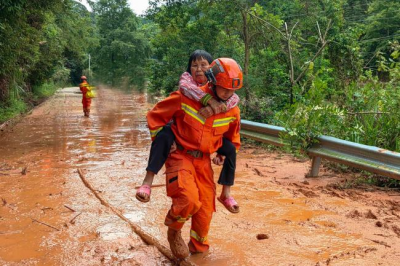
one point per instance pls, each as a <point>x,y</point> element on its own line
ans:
<point>368,112</point>
<point>258,109</point>
<point>45,90</point>
<point>61,76</point>
<point>11,108</point>
<point>306,122</point>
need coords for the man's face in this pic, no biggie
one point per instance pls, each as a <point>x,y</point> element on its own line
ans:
<point>223,93</point>
<point>197,69</point>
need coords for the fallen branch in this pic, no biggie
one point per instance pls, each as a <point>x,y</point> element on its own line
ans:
<point>45,224</point>
<point>381,243</point>
<point>148,239</point>
<point>258,172</point>
<point>156,185</point>
<point>73,219</point>
<point>69,208</point>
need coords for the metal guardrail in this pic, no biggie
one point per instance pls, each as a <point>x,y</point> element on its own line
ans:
<point>262,132</point>
<point>370,158</point>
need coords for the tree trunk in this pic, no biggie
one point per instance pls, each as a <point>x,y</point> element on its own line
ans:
<point>246,40</point>
<point>113,70</point>
<point>4,89</point>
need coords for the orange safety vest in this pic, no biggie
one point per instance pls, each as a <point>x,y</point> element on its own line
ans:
<point>191,130</point>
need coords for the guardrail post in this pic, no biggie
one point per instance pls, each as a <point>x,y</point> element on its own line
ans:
<point>316,162</point>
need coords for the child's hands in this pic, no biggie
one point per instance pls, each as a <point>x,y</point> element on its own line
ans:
<point>206,112</point>
<point>173,147</point>
<point>217,106</point>
<point>219,159</point>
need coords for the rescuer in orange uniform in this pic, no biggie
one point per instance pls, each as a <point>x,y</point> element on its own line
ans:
<point>189,175</point>
<point>86,101</point>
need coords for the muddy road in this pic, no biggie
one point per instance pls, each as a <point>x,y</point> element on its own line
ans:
<point>49,217</point>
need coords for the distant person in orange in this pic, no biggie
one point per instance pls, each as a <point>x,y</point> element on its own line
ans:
<point>86,101</point>
<point>189,175</point>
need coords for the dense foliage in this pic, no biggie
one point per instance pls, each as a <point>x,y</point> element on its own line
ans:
<point>42,45</point>
<point>312,66</point>
<point>120,59</point>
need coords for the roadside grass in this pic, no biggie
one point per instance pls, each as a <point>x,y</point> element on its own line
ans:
<point>19,105</point>
<point>369,180</point>
<point>45,90</point>
<point>11,109</point>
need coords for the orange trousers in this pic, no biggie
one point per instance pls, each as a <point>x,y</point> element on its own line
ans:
<point>191,186</point>
<point>86,102</point>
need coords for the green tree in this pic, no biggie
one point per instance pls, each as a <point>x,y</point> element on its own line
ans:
<point>37,39</point>
<point>382,27</point>
<point>21,23</point>
<point>183,29</point>
<point>80,36</point>
<point>123,50</point>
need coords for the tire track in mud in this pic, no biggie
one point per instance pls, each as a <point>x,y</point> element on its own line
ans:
<point>148,239</point>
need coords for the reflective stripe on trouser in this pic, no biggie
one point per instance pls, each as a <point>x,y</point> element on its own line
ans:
<point>191,186</point>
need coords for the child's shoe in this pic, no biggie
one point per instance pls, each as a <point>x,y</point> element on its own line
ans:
<point>143,193</point>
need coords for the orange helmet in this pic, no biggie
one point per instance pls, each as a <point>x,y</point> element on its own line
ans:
<point>83,77</point>
<point>225,72</point>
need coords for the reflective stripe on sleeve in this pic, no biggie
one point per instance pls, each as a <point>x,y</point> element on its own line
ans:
<point>205,99</point>
<point>154,132</point>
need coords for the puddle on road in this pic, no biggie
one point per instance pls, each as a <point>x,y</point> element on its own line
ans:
<point>113,147</point>
<point>48,143</point>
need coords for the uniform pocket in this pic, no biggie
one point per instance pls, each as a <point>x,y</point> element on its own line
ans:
<point>220,130</point>
<point>173,181</point>
<point>190,129</point>
<point>193,123</point>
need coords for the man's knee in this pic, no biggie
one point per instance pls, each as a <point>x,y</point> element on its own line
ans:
<point>186,203</point>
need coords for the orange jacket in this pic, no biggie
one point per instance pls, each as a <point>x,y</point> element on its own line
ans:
<point>191,130</point>
<point>83,87</point>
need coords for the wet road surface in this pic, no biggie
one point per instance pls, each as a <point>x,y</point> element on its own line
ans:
<point>48,216</point>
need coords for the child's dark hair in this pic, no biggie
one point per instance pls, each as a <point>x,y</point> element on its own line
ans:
<point>199,54</point>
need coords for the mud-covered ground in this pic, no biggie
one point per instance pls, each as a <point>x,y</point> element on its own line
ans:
<point>49,217</point>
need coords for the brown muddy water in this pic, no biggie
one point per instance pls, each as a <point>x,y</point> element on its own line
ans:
<point>48,216</point>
